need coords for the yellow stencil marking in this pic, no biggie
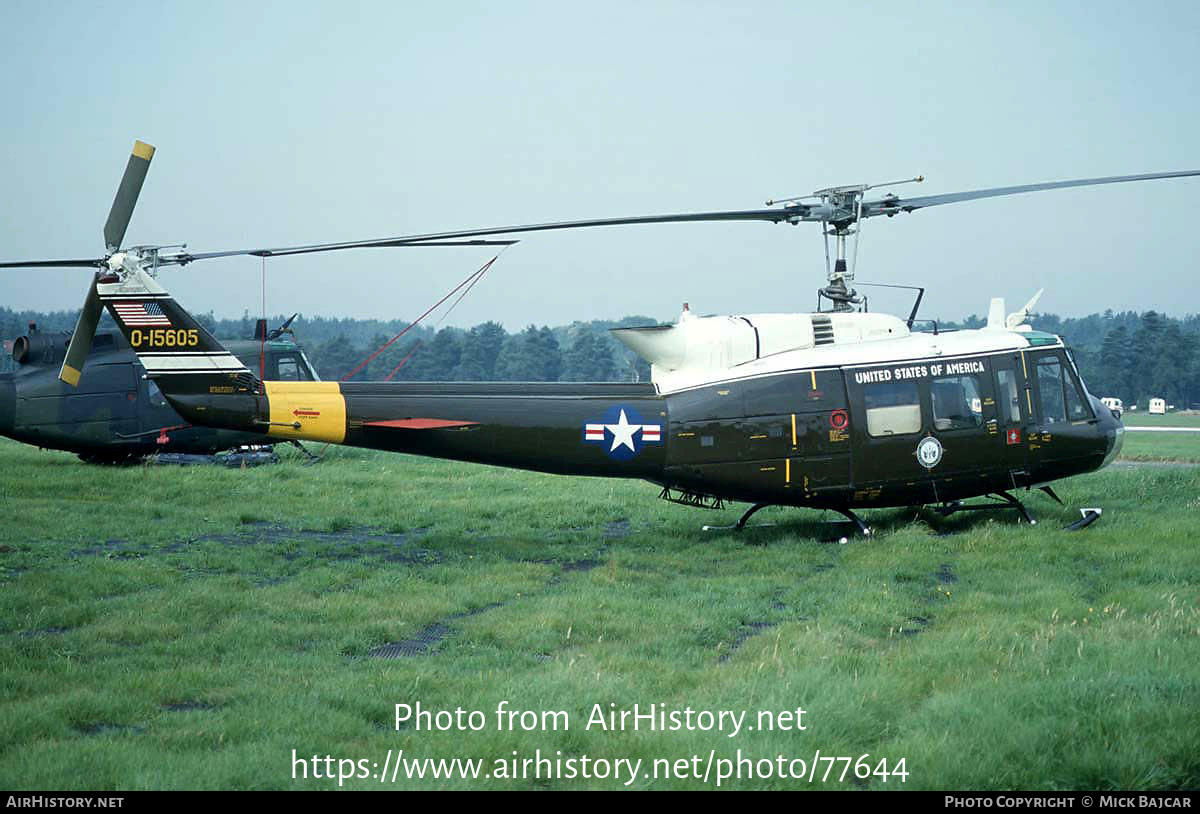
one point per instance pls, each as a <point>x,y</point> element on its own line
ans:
<point>813,377</point>
<point>787,470</point>
<point>318,407</point>
<point>793,429</point>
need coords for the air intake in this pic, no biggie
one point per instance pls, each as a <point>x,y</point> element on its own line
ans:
<point>822,330</point>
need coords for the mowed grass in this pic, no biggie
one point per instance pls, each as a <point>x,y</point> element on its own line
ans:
<point>1162,446</point>
<point>1181,418</point>
<point>190,628</point>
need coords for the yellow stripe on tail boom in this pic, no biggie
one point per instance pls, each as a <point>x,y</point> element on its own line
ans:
<point>319,408</point>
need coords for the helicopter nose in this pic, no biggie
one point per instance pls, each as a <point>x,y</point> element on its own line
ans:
<point>1112,428</point>
<point>8,404</point>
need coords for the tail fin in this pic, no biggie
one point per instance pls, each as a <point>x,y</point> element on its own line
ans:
<point>204,382</point>
<point>175,349</point>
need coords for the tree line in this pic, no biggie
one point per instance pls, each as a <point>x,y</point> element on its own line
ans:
<point>1125,354</point>
<point>581,351</point>
<point>1131,356</point>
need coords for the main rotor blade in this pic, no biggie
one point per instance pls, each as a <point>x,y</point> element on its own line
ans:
<point>890,206</point>
<point>444,238</point>
<point>127,195</point>
<point>81,339</point>
<point>62,264</point>
<point>185,258</point>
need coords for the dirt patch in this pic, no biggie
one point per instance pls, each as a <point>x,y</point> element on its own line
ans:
<point>44,631</point>
<point>746,631</point>
<point>616,529</point>
<point>188,706</point>
<point>345,544</point>
<point>109,728</point>
<point>109,548</point>
<point>259,533</point>
<point>427,637</point>
<point>580,565</point>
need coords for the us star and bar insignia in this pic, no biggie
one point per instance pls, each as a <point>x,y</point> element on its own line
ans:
<point>623,432</point>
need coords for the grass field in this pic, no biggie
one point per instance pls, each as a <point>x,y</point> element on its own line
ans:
<point>190,628</point>
<point>1162,446</point>
<point>1183,418</point>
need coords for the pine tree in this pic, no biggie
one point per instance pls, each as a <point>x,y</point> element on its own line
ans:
<point>481,348</point>
<point>1145,351</point>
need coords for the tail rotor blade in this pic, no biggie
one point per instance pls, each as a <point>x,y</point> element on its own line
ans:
<point>81,340</point>
<point>127,195</point>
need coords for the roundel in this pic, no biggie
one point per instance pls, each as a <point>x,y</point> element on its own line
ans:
<point>929,452</point>
<point>838,419</point>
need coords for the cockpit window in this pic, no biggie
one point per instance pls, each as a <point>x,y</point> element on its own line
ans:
<point>1060,394</point>
<point>291,368</point>
<point>308,371</point>
<point>1077,402</point>
<point>1050,390</point>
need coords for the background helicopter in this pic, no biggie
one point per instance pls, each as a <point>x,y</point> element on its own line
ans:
<point>837,410</point>
<point>116,414</point>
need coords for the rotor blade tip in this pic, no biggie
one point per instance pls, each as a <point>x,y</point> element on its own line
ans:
<point>143,150</point>
<point>70,375</point>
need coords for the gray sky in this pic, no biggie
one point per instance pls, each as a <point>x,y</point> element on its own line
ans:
<point>287,123</point>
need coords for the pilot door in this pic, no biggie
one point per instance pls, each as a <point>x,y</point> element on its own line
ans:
<point>1014,414</point>
<point>1063,419</point>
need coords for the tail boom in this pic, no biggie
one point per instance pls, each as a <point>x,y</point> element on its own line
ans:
<point>615,430</point>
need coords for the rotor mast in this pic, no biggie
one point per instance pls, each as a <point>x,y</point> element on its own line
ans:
<point>840,211</point>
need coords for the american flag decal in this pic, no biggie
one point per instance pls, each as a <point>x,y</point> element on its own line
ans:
<point>141,314</point>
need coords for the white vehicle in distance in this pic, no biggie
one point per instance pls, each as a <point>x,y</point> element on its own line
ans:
<point>1116,405</point>
<point>1158,407</point>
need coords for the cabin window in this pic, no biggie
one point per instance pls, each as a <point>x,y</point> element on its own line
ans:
<point>957,404</point>
<point>1050,390</point>
<point>290,369</point>
<point>893,408</point>
<point>1009,396</point>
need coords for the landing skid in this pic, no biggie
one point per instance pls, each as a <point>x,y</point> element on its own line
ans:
<point>311,459</point>
<point>862,527</point>
<point>1010,502</point>
<point>1089,516</point>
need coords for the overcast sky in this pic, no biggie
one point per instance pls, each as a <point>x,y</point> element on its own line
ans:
<point>289,123</point>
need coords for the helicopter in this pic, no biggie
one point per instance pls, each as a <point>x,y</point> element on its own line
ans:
<point>115,414</point>
<point>840,409</point>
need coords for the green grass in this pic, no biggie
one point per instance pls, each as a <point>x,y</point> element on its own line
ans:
<point>1162,446</point>
<point>189,628</point>
<point>1183,418</point>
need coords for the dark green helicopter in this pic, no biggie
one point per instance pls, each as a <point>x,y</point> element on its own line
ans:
<point>116,414</point>
<point>838,409</point>
<point>91,396</point>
